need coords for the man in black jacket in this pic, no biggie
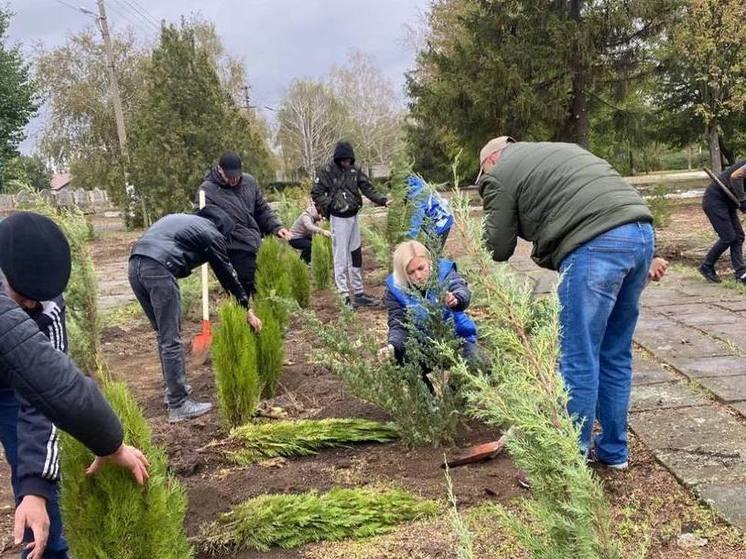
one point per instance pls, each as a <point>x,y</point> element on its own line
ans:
<point>35,257</point>
<point>336,192</point>
<point>723,215</point>
<point>238,194</point>
<point>171,248</point>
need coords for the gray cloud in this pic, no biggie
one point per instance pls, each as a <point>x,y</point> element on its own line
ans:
<point>277,40</point>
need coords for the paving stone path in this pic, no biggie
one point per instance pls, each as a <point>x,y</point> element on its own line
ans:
<point>689,383</point>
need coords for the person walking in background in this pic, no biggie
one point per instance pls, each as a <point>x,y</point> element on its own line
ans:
<point>336,192</point>
<point>237,194</point>
<point>303,230</point>
<point>722,212</point>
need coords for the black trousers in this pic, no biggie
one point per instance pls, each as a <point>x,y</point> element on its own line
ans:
<point>724,219</point>
<point>303,244</point>
<point>244,263</point>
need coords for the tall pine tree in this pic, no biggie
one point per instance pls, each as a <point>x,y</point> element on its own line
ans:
<point>531,69</point>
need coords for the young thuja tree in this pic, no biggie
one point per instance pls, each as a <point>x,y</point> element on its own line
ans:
<point>82,290</point>
<point>300,280</point>
<point>234,356</point>
<point>400,212</point>
<point>567,515</point>
<point>109,515</point>
<point>272,278</point>
<point>270,351</point>
<point>321,261</point>
<point>421,414</point>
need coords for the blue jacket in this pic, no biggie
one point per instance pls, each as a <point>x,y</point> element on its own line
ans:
<point>430,210</point>
<point>399,300</point>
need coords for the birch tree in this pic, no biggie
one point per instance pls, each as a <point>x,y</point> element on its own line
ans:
<point>311,121</point>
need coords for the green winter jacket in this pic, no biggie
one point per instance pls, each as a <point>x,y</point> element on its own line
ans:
<point>556,195</point>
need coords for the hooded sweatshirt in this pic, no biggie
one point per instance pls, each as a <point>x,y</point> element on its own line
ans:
<point>305,225</point>
<point>245,204</point>
<point>336,190</point>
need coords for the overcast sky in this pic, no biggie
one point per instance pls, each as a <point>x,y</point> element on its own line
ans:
<point>278,40</point>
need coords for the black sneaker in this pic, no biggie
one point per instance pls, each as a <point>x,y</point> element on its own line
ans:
<point>363,300</point>
<point>348,303</point>
<point>740,278</point>
<point>709,273</point>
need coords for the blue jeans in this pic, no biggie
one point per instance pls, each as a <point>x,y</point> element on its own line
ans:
<point>9,406</point>
<point>599,297</point>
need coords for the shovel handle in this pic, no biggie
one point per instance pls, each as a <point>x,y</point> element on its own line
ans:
<point>203,270</point>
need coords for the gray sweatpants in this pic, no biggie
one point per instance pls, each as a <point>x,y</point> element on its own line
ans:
<point>348,256</point>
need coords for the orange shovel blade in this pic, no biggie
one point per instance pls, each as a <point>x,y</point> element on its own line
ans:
<point>478,453</point>
<point>202,343</point>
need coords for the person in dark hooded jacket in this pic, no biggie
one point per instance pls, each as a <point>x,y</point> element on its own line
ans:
<point>336,192</point>
<point>171,248</point>
<point>238,194</point>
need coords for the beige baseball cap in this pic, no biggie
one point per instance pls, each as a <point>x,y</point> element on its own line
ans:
<point>493,146</point>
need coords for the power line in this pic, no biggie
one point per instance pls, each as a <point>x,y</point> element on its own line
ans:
<point>125,8</point>
<point>143,14</point>
<point>69,5</point>
<point>133,22</point>
<point>146,12</point>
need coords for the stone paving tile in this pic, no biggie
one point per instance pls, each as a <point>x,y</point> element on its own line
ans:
<point>727,499</point>
<point>736,332</point>
<point>702,444</point>
<point>727,389</point>
<point>677,310</point>
<point>737,305</point>
<point>664,338</point>
<point>676,394</point>
<point>646,370</point>
<point>718,319</point>
<point>723,366</point>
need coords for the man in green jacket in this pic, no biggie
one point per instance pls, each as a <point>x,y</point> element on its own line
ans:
<point>587,223</point>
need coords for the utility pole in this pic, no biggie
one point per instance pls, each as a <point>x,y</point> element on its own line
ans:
<point>116,99</point>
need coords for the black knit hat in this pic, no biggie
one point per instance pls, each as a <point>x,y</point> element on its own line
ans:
<point>34,256</point>
<point>219,218</point>
<point>343,150</point>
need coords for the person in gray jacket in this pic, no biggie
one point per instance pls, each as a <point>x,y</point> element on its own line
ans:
<point>336,192</point>
<point>171,248</point>
<point>237,194</point>
<point>303,230</point>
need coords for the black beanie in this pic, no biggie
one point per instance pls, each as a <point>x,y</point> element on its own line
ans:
<point>219,218</point>
<point>34,256</point>
<point>343,150</point>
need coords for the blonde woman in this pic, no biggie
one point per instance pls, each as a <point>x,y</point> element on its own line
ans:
<point>410,284</point>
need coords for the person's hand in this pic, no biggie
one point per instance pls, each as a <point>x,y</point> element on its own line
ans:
<point>253,321</point>
<point>283,233</point>
<point>450,300</point>
<point>658,269</point>
<point>327,233</point>
<point>385,352</point>
<point>31,513</point>
<point>127,457</point>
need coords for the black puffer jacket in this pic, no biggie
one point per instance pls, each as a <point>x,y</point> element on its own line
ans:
<point>246,206</point>
<point>714,193</point>
<point>181,242</point>
<point>336,190</point>
<point>49,381</point>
